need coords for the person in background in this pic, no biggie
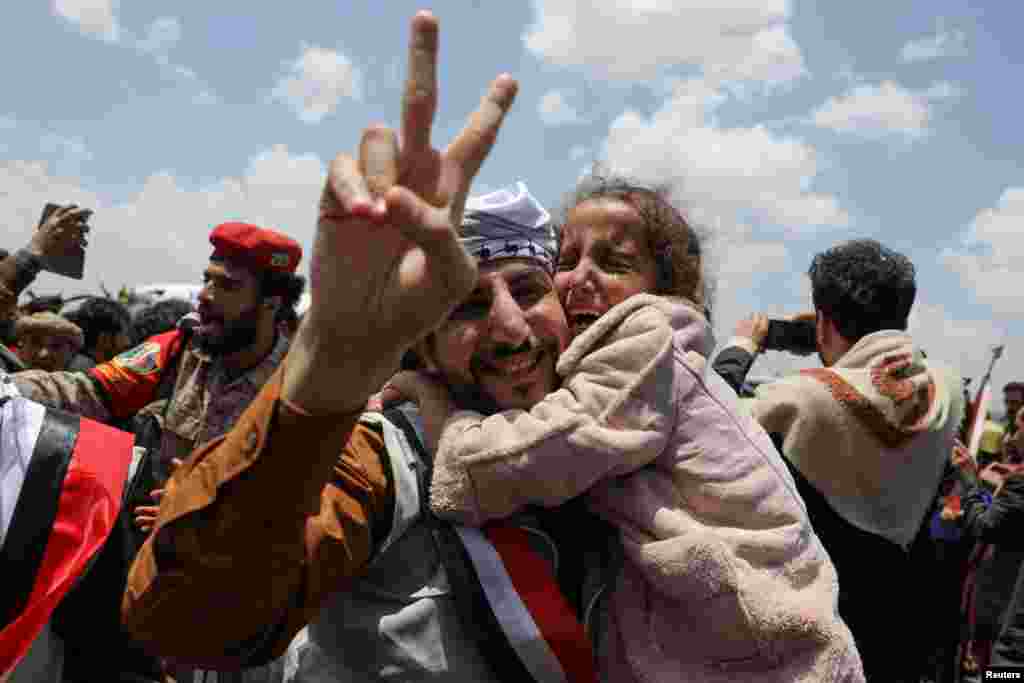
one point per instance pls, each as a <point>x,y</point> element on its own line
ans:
<point>180,389</point>
<point>996,517</point>
<point>157,318</point>
<point>107,327</point>
<point>64,229</point>
<point>867,436</point>
<point>47,341</point>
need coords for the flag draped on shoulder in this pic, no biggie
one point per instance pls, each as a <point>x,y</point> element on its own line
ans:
<point>61,483</point>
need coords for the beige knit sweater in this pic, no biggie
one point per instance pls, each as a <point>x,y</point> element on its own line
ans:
<point>872,433</point>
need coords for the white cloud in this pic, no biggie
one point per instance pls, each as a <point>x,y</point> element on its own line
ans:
<point>990,257</point>
<point>555,110</point>
<point>721,173</point>
<point>163,34</point>
<point>942,44</point>
<point>97,18</point>
<point>729,39</point>
<point>318,79</point>
<point>883,109</point>
<point>161,233</point>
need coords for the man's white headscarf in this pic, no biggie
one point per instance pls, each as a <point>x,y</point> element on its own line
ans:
<point>509,223</point>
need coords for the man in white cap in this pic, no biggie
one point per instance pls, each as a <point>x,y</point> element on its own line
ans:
<point>434,598</point>
<point>312,511</point>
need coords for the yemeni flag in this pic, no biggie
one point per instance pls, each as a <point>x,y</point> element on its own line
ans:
<point>61,482</point>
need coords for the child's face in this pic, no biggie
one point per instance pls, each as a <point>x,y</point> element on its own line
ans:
<point>604,259</point>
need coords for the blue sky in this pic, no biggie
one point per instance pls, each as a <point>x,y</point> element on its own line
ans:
<point>783,127</point>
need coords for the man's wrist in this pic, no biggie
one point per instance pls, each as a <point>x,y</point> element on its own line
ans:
<point>27,264</point>
<point>321,379</point>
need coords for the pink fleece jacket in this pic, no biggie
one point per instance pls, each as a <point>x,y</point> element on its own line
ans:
<point>723,576</point>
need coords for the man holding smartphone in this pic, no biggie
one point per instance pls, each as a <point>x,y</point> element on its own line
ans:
<point>61,233</point>
<point>866,437</point>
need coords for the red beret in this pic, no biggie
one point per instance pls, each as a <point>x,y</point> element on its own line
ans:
<point>256,247</point>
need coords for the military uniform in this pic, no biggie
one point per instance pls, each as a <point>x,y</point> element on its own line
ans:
<point>206,399</point>
<point>205,404</point>
<point>191,395</point>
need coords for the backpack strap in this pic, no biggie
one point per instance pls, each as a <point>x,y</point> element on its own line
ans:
<point>478,619</point>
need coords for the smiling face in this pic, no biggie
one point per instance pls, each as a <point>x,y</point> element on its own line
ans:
<point>498,349</point>
<point>604,259</point>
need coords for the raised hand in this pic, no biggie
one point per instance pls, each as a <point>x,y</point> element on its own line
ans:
<point>387,264</point>
<point>62,233</point>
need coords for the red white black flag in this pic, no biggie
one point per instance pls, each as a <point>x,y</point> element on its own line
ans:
<point>61,482</point>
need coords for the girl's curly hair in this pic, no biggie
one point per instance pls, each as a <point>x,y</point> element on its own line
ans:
<point>677,247</point>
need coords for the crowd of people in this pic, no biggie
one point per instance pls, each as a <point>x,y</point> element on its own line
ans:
<point>500,445</point>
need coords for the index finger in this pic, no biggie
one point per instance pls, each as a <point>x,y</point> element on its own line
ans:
<point>419,100</point>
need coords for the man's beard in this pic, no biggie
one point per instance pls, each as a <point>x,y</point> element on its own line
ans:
<point>236,335</point>
<point>478,397</point>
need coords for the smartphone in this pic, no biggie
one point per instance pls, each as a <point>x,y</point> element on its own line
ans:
<point>792,336</point>
<point>70,263</point>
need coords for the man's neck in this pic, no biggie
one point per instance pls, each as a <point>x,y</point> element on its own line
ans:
<point>238,362</point>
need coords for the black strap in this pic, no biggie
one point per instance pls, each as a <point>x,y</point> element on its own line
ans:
<point>35,511</point>
<point>475,614</point>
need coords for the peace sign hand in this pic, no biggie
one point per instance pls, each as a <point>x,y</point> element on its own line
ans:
<point>387,264</point>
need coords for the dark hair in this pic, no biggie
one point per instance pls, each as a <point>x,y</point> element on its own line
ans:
<point>158,318</point>
<point>1014,386</point>
<point>288,286</point>
<point>863,287</point>
<point>98,315</point>
<point>675,244</point>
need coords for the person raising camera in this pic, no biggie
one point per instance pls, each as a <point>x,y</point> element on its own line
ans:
<point>866,436</point>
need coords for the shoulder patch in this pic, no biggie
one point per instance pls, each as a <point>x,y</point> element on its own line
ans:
<point>144,359</point>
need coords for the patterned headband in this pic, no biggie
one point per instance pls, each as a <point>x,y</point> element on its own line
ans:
<point>509,223</point>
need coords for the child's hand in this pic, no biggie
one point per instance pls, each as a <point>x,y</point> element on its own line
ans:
<point>145,515</point>
<point>429,393</point>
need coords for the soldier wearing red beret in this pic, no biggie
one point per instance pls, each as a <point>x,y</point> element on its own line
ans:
<point>183,388</point>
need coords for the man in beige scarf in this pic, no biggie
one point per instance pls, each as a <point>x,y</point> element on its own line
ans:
<point>866,436</point>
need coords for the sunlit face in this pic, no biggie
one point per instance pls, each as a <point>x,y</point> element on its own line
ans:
<point>500,346</point>
<point>604,259</point>
<point>42,351</point>
<point>229,308</point>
